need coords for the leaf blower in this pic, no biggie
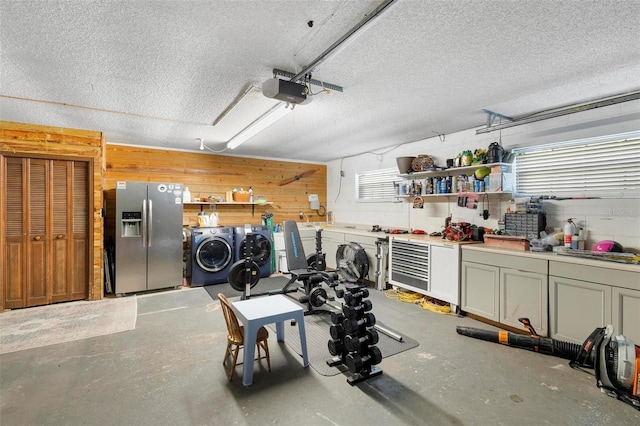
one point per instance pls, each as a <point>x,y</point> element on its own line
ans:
<point>615,360</point>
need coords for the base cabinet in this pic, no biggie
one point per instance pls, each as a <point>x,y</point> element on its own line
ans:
<point>331,240</point>
<point>491,288</point>
<point>444,273</point>
<point>577,307</point>
<point>371,249</point>
<point>524,295</point>
<point>481,290</point>
<point>426,267</point>
<point>625,309</point>
<point>308,239</point>
<point>584,297</point>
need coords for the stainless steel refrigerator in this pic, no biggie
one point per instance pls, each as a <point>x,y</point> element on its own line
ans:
<point>148,236</point>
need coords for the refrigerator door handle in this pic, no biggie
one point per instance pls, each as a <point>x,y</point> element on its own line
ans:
<point>144,223</point>
<point>150,230</point>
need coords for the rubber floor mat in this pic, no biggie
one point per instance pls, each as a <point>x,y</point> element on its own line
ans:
<point>317,330</point>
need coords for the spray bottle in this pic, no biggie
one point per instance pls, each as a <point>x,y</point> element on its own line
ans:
<point>569,231</point>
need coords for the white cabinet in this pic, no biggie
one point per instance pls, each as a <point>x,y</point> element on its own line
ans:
<point>331,240</point>
<point>308,238</point>
<point>480,290</point>
<point>625,309</point>
<point>584,297</point>
<point>370,248</point>
<point>504,288</point>
<point>334,238</point>
<point>426,267</point>
<point>444,273</point>
<point>524,295</point>
<point>576,308</point>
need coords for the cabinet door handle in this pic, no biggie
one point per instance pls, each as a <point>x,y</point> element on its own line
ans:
<point>37,238</point>
<point>60,236</point>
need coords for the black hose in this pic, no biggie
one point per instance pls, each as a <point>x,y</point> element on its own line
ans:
<point>566,350</point>
<point>559,348</point>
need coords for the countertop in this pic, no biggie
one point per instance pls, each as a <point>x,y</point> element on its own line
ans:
<point>382,235</point>
<point>434,240</point>
<point>551,256</point>
<point>478,245</point>
<point>344,229</point>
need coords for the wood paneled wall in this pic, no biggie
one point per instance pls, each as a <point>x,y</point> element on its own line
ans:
<point>213,175</point>
<point>56,142</point>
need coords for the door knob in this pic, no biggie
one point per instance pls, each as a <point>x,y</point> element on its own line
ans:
<point>37,238</point>
<point>59,236</point>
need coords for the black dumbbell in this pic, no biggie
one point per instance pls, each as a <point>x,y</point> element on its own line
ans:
<point>357,363</point>
<point>318,297</point>
<point>354,343</point>
<point>355,311</point>
<point>352,288</point>
<point>351,326</point>
<point>336,347</point>
<point>331,278</point>
<point>336,317</point>
<point>356,297</point>
<point>337,331</point>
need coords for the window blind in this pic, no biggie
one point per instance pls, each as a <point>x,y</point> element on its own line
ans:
<point>377,185</point>
<point>608,169</point>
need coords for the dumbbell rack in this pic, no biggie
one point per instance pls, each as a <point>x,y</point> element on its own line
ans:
<point>353,336</point>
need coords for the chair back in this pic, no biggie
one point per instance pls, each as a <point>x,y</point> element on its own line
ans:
<point>296,259</point>
<point>233,326</point>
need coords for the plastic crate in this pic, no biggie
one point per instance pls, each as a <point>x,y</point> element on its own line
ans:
<point>525,224</point>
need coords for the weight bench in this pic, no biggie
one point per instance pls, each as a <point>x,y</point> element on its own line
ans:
<point>299,268</point>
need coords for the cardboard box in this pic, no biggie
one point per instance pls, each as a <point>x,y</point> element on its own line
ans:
<point>506,242</point>
<point>500,182</point>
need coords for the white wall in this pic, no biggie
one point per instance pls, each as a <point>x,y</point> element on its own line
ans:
<point>616,219</point>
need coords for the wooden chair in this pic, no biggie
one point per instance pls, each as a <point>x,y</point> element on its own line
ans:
<point>235,337</point>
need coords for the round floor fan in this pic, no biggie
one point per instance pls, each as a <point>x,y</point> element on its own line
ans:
<point>352,262</point>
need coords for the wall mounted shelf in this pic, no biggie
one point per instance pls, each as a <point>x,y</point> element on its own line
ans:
<point>214,204</point>
<point>453,171</point>
<point>455,194</point>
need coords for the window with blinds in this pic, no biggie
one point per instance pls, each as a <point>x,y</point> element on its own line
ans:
<point>602,167</point>
<point>377,185</point>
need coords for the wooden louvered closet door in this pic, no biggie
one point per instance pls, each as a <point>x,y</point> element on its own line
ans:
<point>47,253</point>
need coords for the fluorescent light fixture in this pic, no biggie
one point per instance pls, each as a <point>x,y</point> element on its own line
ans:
<point>264,121</point>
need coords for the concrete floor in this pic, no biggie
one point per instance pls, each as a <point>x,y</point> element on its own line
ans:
<point>168,371</point>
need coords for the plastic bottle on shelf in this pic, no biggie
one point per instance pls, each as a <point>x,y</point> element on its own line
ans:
<point>429,186</point>
<point>186,195</point>
<point>569,231</point>
<point>251,194</point>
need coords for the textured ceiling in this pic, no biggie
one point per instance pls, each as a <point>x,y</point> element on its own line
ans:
<point>158,73</point>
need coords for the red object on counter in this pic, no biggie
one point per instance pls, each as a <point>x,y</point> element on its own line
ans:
<point>397,231</point>
<point>460,231</point>
<point>418,231</point>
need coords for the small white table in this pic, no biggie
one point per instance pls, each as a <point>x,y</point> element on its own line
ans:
<point>254,313</point>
